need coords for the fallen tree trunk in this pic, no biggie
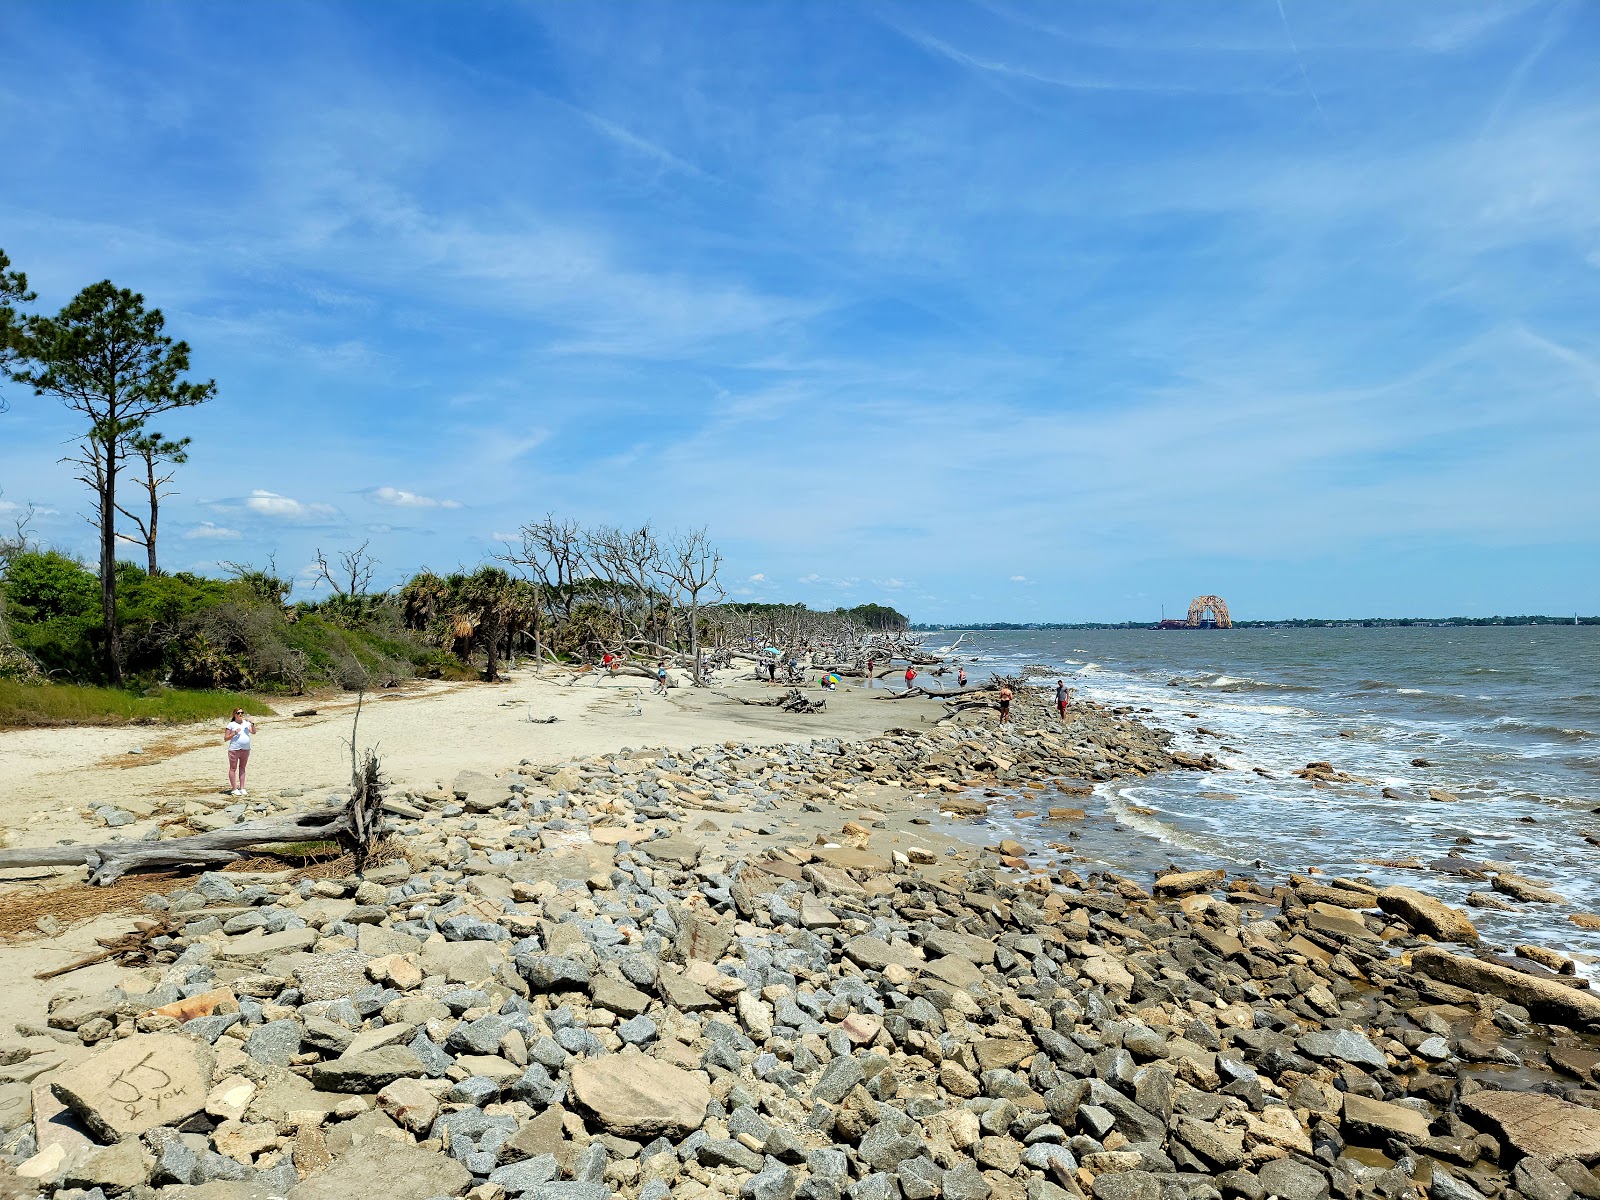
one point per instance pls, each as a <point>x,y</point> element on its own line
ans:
<point>357,825</point>
<point>109,861</point>
<point>956,709</point>
<point>794,700</point>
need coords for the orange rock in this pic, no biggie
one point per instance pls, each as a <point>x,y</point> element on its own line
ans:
<point>1067,814</point>
<point>204,1005</point>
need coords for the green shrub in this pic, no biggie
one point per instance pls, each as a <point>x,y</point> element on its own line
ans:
<point>25,704</point>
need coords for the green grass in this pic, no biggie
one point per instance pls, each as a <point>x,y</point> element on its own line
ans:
<point>33,704</point>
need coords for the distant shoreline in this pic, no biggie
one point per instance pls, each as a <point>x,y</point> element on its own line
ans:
<point>1290,623</point>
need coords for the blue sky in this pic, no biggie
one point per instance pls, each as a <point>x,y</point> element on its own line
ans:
<point>984,310</point>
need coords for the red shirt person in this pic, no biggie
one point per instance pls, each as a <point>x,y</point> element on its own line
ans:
<point>911,674</point>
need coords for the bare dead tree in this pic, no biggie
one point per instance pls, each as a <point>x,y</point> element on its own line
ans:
<point>155,453</point>
<point>552,558</point>
<point>20,540</point>
<point>354,576</point>
<point>553,554</point>
<point>630,560</point>
<point>691,562</point>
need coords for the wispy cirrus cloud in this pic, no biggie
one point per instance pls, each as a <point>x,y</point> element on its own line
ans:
<point>916,293</point>
<point>400,498</point>
<point>272,504</point>
<point>209,531</point>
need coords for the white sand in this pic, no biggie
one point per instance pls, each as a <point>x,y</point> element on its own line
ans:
<point>424,735</point>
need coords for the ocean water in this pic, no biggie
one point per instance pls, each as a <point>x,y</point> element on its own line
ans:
<point>1509,718</point>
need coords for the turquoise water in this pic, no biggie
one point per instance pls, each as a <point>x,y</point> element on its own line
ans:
<point>1508,716</point>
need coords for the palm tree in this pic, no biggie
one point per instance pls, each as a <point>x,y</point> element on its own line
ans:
<point>486,602</point>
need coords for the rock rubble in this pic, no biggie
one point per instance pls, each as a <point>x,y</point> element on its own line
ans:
<point>569,990</point>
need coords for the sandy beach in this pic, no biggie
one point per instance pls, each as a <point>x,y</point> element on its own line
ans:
<point>425,734</point>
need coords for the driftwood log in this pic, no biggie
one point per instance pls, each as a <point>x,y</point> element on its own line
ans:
<point>110,861</point>
<point>794,700</point>
<point>357,825</point>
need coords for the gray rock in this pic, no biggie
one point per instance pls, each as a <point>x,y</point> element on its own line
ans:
<point>966,1182</point>
<point>479,1037</point>
<point>640,1031</point>
<point>552,973</point>
<point>876,1186</point>
<point>1446,1186</point>
<point>520,1177</point>
<point>836,1080</point>
<point>274,1044</point>
<point>209,1029</point>
<point>1293,1179</point>
<point>884,1147</point>
<point>773,1182</point>
<point>382,1169</point>
<point>726,1152</point>
<point>435,1062</point>
<point>1538,1182</point>
<point>569,1191</point>
<point>332,976</point>
<point>368,1072</point>
<point>1127,1185</point>
<point>1345,1045</point>
<point>211,1167</point>
<point>1050,1157</point>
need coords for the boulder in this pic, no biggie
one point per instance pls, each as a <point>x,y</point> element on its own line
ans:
<point>1538,1125</point>
<point>874,954</point>
<point>1180,883</point>
<point>1543,997</point>
<point>1427,915</point>
<point>635,1096</point>
<point>382,1168</point>
<point>138,1084</point>
<point>366,1073</point>
<point>1376,1121</point>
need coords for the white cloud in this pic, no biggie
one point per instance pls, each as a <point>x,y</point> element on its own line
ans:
<point>207,530</point>
<point>271,504</point>
<point>1019,579</point>
<point>758,577</point>
<point>811,578</point>
<point>891,584</point>
<point>11,506</point>
<point>401,498</point>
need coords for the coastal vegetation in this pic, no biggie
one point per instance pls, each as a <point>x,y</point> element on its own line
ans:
<point>188,635</point>
<point>566,592</point>
<point>24,704</point>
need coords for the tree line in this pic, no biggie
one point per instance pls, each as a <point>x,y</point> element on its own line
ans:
<point>560,591</point>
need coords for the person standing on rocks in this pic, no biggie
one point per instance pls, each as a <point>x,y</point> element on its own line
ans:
<point>1063,698</point>
<point>961,677</point>
<point>1005,704</point>
<point>238,732</point>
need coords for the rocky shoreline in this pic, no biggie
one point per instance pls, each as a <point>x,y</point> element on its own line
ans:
<point>770,973</point>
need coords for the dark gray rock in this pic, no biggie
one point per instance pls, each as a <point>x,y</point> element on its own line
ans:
<point>1127,1185</point>
<point>1293,1179</point>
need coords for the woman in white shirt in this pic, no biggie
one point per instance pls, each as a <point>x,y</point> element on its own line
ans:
<point>237,734</point>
